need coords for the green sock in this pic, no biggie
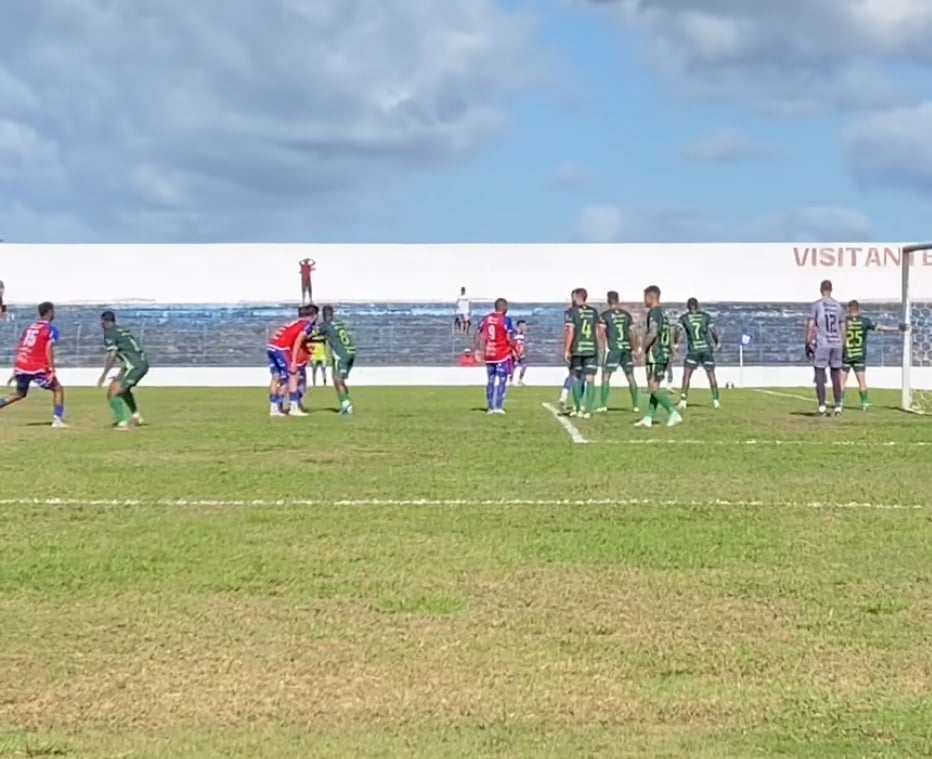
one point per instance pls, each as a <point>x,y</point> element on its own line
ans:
<point>863,397</point>
<point>120,412</point>
<point>663,400</point>
<point>651,407</point>
<point>343,395</point>
<point>633,389</point>
<point>577,393</point>
<point>715,393</point>
<point>606,391</point>
<point>590,394</point>
<point>130,401</point>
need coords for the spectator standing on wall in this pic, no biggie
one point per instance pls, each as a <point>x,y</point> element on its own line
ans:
<point>463,320</point>
<point>307,268</point>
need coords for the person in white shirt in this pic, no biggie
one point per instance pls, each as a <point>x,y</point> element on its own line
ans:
<point>463,320</point>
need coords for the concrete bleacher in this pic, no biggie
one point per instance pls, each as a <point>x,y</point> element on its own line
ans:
<point>399,334</point>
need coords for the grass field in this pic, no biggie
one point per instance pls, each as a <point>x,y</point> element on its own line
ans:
<point>421,580</point>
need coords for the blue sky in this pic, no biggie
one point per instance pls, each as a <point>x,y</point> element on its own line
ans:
<point>474,121</point>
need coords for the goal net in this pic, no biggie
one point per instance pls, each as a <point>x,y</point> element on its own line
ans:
<point>917,340</point>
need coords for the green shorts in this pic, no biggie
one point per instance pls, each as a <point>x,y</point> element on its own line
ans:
<point>616,359</point>
<point>342,366</point>
<point>131,377</point>
<point>657,372</point>
<point>855,364</point>
<point>705,359</point>
<point>588,365</point>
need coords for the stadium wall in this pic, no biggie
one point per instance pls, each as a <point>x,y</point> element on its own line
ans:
<point>208,274</point>
<point>441,376</point>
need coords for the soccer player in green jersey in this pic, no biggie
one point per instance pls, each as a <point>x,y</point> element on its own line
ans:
<point>122,346</point>
<point>702,341</point>
<point>615,335</point>
<point>581,351</point>
<point>854,356</point>
<point>343,351</point>
<point>657,350</point>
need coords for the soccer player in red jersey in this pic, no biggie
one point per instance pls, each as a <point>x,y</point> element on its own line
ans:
<point>284,352</point>
<point>35,363</point>
<point>495,346</point>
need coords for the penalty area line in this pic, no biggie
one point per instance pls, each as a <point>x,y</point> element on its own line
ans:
<point>468,502</point>
<point>571,429</point>
<point>778,394</point>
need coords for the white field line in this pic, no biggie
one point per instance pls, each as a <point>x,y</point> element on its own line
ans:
<point>465,502</point>
<point>575,435</point>
<point>773,443</point>
<point>780,394</point>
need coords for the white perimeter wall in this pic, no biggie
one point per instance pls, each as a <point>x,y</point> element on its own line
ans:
<point>400,376</point>
<point>110,274</point>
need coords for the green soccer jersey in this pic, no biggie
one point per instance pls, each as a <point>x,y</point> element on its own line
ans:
<point>856,329</point>
<point>126,347</point>
<point>700,331</point>
<point>659,351</point>
<point>585,323</point>
<point>338,338</point>
<point>617,323</point>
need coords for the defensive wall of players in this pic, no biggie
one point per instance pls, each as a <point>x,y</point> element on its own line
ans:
<point>206,274</point>
<point>112,275</point>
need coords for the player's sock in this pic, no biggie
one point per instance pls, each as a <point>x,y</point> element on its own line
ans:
<point>500,392</point>
<point>130,400</point>
<point>663,400</point>
<point>120,410</point>
<point>590,395</point>
<point>606,392</point>
<point>864,397</point>
<point>651,407</point>
<point>635,393</point>
<point>715,393</point>
<point>838,391</point>
<point>59,411</point>
<point>820,386</point>
<point>344,398</point>
<point>490,393</point>
<point>577,393</point>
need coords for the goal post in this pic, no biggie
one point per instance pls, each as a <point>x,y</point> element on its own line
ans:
<point>916,395</point>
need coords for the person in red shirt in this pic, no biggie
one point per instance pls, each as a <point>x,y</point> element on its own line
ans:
<point>35,363</point>
<point>495,346</point>
<point>284,354</point>
<point>467,359</point>
<point>307,267</point>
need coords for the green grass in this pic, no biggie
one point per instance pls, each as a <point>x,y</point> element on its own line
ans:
<point>654,593</point>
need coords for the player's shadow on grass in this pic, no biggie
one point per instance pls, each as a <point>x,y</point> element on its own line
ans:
<point>809,414</point>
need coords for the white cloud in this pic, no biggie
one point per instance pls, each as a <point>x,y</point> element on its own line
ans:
<point>727,145</point>
<point>793,57</point>
<point>892,148</point>
<point>603,223</point>
<point>187,116</point>
<point>571,174</point>
<point>672,225</point>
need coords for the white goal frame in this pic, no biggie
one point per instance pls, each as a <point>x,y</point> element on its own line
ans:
<point>906,253</point>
